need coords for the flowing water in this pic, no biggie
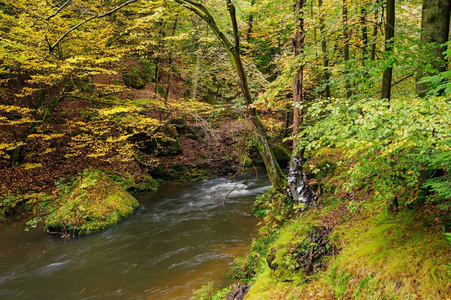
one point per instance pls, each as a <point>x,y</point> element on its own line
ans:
<point>179,239</point>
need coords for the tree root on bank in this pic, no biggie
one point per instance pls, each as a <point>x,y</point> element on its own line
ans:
<point>238,292</point>
<point>313,248</point>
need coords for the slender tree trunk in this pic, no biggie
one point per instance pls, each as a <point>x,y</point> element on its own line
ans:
<point>326,75</point>
<point>346,48</point>
<point>363,16</point>
<point>435,32</point>
<point>171,60</point>
<point>374,36</point>
<point>273,169</point>
<point>389,35</point>
<point>195,76</point>
<point>298,187</point>
<point>250,24</point>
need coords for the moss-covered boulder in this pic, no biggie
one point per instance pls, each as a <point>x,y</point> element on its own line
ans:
<point>282,154</point>
<point>92,203</point>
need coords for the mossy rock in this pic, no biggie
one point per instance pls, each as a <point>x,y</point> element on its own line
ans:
<point>92,203</point>
<point>135,78</point>
<point>282,155</point>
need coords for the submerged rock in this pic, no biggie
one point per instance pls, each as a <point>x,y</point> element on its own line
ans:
<point>92,203</point>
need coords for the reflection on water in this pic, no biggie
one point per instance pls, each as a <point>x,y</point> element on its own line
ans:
<point>179,239</point>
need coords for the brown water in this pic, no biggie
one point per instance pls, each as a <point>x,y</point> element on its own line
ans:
<point>179,239</point>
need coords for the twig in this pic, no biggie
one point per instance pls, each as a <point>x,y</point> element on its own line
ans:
<point>226,196</point>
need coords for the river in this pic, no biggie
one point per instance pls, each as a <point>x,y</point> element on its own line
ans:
<point>178,240</point>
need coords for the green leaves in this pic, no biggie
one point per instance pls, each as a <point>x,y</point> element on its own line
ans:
<point>398,148</point>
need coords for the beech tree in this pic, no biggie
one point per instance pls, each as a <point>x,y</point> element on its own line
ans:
<point>298,187</point>
<point>273,169</point>
<point>435,20</point>
<point>389,35</point>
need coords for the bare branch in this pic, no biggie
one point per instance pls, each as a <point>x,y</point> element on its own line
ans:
<point>58,10</point>
<point>203,12</point>
<point>64,35</point>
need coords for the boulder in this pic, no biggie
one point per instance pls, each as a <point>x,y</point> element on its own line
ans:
<point>92,203</point>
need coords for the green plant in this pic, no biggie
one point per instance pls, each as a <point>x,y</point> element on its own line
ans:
<point>204,293</point>
<point>399,149</point>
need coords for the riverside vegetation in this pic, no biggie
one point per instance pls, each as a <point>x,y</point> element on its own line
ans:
<point>97,98</point>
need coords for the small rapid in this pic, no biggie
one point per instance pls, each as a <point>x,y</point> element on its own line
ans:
<point>182,237</point>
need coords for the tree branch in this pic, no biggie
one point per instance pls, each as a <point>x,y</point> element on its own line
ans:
<point>52,47</point>
<point>203,12</point>
<point>232,12</point>
<point>58,10</point>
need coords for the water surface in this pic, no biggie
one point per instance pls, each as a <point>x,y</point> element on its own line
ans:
<point>179,239</point>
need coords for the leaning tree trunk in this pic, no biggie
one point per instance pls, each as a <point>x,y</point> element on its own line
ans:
<point>298,187</point>
<point>389,35</point>
<point>434,30</point>
<point>273,169</point>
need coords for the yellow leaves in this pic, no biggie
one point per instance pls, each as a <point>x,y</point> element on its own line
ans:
<point>118,110</point>
<point>11,146</point>
<point>18,109</point>
<point>47,151</point>
<point>96,154</point>
<point>118,139</point>
<point>28,166</point>
<point>46,137</point>
<point>27,91</point>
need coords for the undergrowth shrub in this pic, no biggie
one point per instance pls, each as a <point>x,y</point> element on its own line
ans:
<point>398,149</point>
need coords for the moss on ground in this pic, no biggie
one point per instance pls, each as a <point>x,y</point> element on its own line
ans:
<point>382,256</point>
<point>93,202</point>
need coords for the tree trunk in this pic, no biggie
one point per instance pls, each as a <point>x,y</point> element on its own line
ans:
<point>374,37</point>
<point>195,76</point>
<point>326,75</point>
<point>363,16</point>
<point>273,169</point>
<point>389,35</point>
<point>250,24</point>
<point>298,187</point>
<point>434,31</point>
<point>171,60</point>
<point>346,48</point>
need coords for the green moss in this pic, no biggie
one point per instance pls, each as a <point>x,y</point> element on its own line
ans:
<point>392,256</point>
<point>8,203</point>
<point>93,202</point>
<point>182,172</point>
<point>382,256</point>
<point>282,154</point>
<point>129,182</point>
